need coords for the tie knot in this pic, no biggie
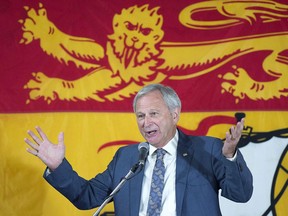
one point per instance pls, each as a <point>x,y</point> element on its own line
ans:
<point>160,153</point>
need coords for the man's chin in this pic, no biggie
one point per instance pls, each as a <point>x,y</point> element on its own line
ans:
<point>151,141</point>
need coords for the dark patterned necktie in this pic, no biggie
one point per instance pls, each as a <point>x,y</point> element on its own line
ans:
<point>157,185</point>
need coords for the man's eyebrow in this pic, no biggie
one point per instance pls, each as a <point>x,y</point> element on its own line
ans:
<point>139,112</point>
<point>154,110</point>
<point>149,111</point>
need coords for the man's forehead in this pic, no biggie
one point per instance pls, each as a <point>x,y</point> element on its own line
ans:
<point>150,102</point>
<point>148,110</point>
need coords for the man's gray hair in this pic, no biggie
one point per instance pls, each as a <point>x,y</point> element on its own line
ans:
<point>170,97</point>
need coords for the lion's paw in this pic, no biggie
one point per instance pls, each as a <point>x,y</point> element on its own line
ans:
<point>236,83</point>
<point>35,25</point>
<point>41,86</point>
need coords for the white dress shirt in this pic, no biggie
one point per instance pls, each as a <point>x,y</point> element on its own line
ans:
<point>169,191</point>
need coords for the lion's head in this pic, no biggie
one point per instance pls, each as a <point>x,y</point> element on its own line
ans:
<point>137,31</point>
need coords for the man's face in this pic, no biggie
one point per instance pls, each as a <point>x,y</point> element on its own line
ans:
<point>155,122</point>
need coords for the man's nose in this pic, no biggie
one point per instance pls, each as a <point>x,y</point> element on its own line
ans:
<point>147,120</point>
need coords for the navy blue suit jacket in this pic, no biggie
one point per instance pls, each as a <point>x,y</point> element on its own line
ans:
<point>201,170</point>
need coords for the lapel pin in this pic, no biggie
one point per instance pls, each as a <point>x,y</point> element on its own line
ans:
<point>185,154</point>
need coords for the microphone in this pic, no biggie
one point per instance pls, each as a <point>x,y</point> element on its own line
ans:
<point>143,149</point>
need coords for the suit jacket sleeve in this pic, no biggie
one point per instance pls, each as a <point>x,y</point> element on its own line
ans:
<point>234,177</point>
<point>88,194</point>
<point>84,194</point>
<point>202,171</point>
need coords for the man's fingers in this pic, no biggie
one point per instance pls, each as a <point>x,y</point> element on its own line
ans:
<point>32,151</point>
<point>34,147</point>
<point>34,137</point>
<point>31,144</point>
<point>61,138</point>
<point>233,133</point>
<point>41,133</point>
<point>242,121</point>
<point>236,131</point>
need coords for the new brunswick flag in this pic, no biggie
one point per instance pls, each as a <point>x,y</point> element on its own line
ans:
<point>75,66</point>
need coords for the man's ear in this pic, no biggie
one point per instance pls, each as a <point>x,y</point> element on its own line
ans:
<point>176,115</point>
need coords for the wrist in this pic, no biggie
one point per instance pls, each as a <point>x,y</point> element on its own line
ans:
<point>233,158</point>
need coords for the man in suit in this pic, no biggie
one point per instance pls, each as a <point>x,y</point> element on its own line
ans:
<point>196,167</point>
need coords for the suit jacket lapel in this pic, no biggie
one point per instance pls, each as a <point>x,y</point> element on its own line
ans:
<point>135,192</point>
<point>184,156</point>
